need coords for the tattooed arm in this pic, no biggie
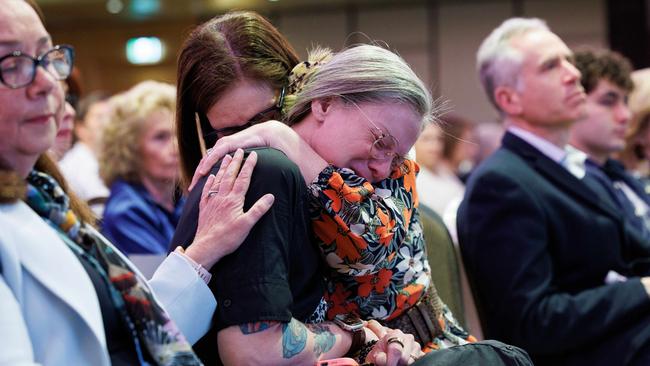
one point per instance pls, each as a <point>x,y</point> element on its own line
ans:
<point>277,343</point>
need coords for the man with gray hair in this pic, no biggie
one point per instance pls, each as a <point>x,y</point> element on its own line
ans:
<point>555,268</point>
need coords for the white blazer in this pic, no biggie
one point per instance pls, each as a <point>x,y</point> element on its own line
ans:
<point>49,312</point>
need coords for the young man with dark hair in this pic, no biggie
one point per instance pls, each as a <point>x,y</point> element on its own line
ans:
<point>606,77</point>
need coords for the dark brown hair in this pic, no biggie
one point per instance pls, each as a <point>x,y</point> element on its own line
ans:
<point>215,55</point>
<point>595,65</point>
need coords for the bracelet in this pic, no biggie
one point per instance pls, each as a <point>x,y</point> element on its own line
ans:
<point>365,350</point>
<point>202,272</point>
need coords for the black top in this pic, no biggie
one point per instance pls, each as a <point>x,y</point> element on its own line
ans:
<point>275,274</point>
<point>118,338</point>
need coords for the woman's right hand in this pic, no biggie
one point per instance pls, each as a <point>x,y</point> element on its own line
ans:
<point>223,224</point>
<point>393,348</point>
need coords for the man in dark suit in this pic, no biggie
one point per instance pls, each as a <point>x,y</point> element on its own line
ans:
<point>555,268</point>
<point>606,77</point>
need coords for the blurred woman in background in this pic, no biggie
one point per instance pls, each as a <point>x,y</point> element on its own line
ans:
<point>636,155</point>
<point>139,162</point>
<point>65,136</point>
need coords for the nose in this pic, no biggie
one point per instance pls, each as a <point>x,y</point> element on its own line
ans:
<point>380,169</point>
<point>44,83</point>
<point>572,72</point>
<point>623,113</point>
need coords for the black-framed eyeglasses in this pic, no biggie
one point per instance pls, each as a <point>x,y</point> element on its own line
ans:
<point>268,114</point>
<point>18,69</point>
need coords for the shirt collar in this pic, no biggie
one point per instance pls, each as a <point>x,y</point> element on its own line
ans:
<point>544,146</point>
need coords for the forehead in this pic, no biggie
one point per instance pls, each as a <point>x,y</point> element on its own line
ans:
<point>241,101</point>
<point>539,46</point>
<point>19,25</point>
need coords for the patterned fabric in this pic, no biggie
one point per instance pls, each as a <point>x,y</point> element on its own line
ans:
<point>151,328</point>
<point>298,75</point>
<point>372,241</point>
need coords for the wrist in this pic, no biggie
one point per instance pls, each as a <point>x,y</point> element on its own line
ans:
<point>203,254</point>
<point>201,271</point>
<point>355,328</point>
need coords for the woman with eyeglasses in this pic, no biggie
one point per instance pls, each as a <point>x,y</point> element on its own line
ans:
<point>67,295</point>
<point>361,218</point>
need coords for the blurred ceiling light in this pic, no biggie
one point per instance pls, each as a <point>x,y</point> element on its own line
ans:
<point>144,50</point>
<point>145,7</point>
<point>114,6</point>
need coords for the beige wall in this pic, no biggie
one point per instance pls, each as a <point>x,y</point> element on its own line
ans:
<point>439,39</point>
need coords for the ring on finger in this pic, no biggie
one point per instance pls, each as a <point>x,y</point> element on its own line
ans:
<point>212,193</point>
<point>395,340</point>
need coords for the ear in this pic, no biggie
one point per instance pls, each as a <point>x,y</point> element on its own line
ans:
<point>320,108</point>
<point>508,99</point>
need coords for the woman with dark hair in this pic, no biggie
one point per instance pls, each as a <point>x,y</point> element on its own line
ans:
<point>68,296</point>
<point>236,49</point>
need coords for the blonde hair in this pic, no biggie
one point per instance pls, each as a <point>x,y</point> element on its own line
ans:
<point>498,63</point>
<point>639,104</point>
<point>361,74</point>
<point>120,152</point>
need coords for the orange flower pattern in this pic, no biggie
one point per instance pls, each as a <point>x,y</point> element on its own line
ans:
<point>371,239</point>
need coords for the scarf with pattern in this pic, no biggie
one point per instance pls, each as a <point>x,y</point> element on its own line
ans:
<point>149,325</point>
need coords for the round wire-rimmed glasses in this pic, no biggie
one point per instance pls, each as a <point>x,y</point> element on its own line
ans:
<point>385,145</point>
<point>18,69</point>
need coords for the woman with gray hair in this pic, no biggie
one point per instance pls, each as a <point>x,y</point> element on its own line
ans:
<point>248,60</point>
<point>364,113</point>
<point>139,162</point>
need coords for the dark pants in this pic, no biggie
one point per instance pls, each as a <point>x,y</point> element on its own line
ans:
<point>488,353</point>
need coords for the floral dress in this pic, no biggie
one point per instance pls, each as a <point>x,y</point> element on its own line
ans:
<point>372,241</point>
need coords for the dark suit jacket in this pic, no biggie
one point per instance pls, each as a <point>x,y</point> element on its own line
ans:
<point>537,244</point>
<point>616,172</point>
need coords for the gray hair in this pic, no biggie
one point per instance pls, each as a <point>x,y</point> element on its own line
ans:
<point>360,74</point>
<point>498,63</point>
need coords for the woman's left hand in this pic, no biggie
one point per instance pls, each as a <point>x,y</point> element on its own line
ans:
<point>223,224</point>
<point>393,348</point>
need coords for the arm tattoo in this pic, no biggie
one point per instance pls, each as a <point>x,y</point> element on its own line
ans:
<point>323,338</point>
<point>294,338</point>
<point>250,328</point>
